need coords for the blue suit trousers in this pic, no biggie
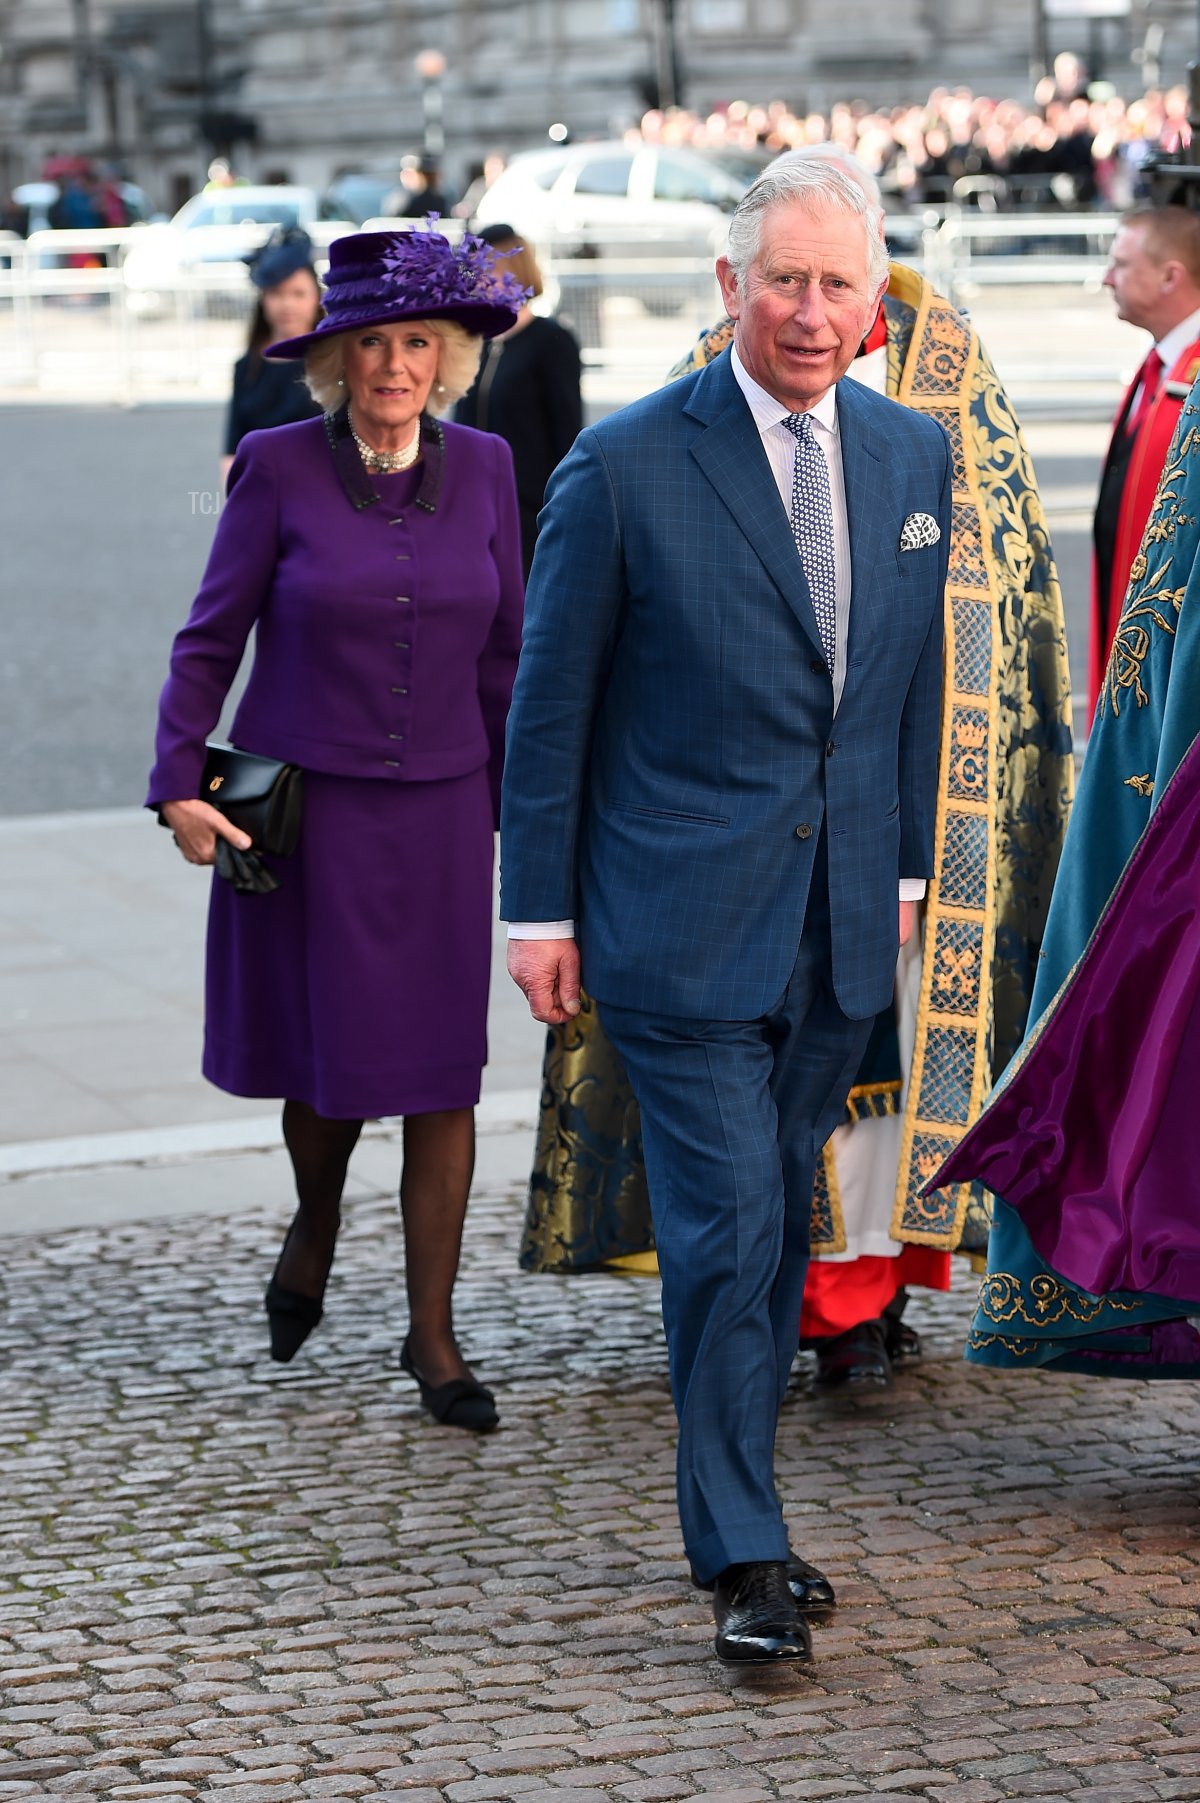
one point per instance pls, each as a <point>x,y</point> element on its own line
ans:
<point>734,1114</point>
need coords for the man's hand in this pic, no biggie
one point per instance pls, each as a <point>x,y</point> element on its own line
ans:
<point>197,826</point>
<point>908,921</point>
<point>546,971</point>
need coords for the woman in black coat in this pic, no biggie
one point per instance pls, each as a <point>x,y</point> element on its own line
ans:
<point>289,303</point>
<point>527,390</point>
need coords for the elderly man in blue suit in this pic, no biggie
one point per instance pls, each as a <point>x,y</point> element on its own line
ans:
<point>720,781</point>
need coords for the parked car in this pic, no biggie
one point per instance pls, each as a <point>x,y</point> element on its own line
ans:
<point>616,199</point>
<point>210,235</point>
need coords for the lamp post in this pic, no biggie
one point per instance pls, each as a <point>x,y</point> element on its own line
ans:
<point>1040,60</point>
<point>669,76</point>
<point>430,66</point>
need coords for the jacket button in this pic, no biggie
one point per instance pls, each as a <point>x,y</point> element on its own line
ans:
<point>818,668</point>
<point>829,749</point>
<point>406,600</point>
<point>804,831</point>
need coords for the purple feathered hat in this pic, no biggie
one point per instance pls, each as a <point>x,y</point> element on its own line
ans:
<point>376,278</point>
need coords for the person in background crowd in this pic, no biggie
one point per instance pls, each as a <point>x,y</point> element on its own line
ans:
<point>527,388</point>
<point>358,985</point>
<point>1154,275</point>
<point>77,207</point>
<point>221,174</point>
<point>482,176</point>
<point>1005,790</point>
<point>14,217</point>
<point>265,392</point>
<point>420,191</point>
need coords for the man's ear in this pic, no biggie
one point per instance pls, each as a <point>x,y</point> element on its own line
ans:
<point>730,293</point>
<point>1172,275</point>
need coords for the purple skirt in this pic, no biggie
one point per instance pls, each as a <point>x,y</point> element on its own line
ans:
<point>361,985</point>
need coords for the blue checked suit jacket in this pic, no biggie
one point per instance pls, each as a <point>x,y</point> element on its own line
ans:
<point>672,748</point>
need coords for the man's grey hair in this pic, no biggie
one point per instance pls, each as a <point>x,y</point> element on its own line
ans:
<point>823,180</point>
<point>845,159</point>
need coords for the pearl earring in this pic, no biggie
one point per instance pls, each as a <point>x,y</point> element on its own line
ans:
<point>439,388</point>
<point>341,381</point>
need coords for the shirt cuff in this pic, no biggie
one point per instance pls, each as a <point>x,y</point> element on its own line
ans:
<point>541,929</point>
<point>912,888</point>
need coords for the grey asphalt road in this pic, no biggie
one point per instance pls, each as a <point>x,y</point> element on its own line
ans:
<point>105,522</point>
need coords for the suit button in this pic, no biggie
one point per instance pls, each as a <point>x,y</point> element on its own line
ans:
<point>818,668</point>
<point>804,831</point>
<point>829,749</point>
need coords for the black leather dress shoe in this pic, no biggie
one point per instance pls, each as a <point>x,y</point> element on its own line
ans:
<point>811,1590</point>
<point>856,1360</point>
<point>756,1615</point>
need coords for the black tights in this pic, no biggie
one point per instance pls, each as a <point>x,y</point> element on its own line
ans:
<point>439,1160</point>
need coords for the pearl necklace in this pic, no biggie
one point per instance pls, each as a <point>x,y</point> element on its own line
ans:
<point>386,463</point>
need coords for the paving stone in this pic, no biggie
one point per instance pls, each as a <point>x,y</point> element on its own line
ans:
<point>227,1579</point>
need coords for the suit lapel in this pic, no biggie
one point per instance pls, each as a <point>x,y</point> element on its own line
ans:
<point>864,467</point>
<point>730,453</point>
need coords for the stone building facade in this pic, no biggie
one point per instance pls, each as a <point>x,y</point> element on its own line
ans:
<point>304,88</point>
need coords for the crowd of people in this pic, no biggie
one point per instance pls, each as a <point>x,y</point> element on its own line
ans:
<point>1075,144</point>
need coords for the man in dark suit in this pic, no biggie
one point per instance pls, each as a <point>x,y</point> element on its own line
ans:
<point>721,773</point>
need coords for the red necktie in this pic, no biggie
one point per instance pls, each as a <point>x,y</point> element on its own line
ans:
<point>1150,374</point>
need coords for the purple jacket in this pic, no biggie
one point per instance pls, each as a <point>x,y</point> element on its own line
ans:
<point>387,637</point>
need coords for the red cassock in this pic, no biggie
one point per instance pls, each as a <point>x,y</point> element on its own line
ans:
<point>1152,441</point>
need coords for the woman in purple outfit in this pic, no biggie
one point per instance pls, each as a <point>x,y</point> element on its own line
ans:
<point>376,553</point>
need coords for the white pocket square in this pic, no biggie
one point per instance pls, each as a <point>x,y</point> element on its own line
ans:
<point>920,529</point>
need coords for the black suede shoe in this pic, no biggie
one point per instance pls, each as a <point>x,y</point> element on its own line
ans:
<point>291,1315</point>
<point>901,1340</point>
<point>856,1360</point>
<point>811,1590</point>
<point>460,1403</point>
<point>292,1318</point>
<point>756,1615</point>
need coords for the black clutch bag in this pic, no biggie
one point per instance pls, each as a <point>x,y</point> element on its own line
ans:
<point>265,799</point>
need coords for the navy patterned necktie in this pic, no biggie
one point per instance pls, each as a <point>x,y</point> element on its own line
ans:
<point>812,528</point>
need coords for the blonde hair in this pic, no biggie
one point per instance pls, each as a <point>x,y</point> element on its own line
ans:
<point>515,256</point>
<point>459,352</point>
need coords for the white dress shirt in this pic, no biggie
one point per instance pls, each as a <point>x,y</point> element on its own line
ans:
<point>1171,347</point>
<point>780,447</point>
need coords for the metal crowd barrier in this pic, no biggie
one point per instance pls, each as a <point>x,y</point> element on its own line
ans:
<point>70,322</point>
<point>74,322</point>
<point>963,250</point>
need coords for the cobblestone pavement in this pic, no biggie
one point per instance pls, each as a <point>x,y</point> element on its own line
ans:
<point>224,1579</point>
